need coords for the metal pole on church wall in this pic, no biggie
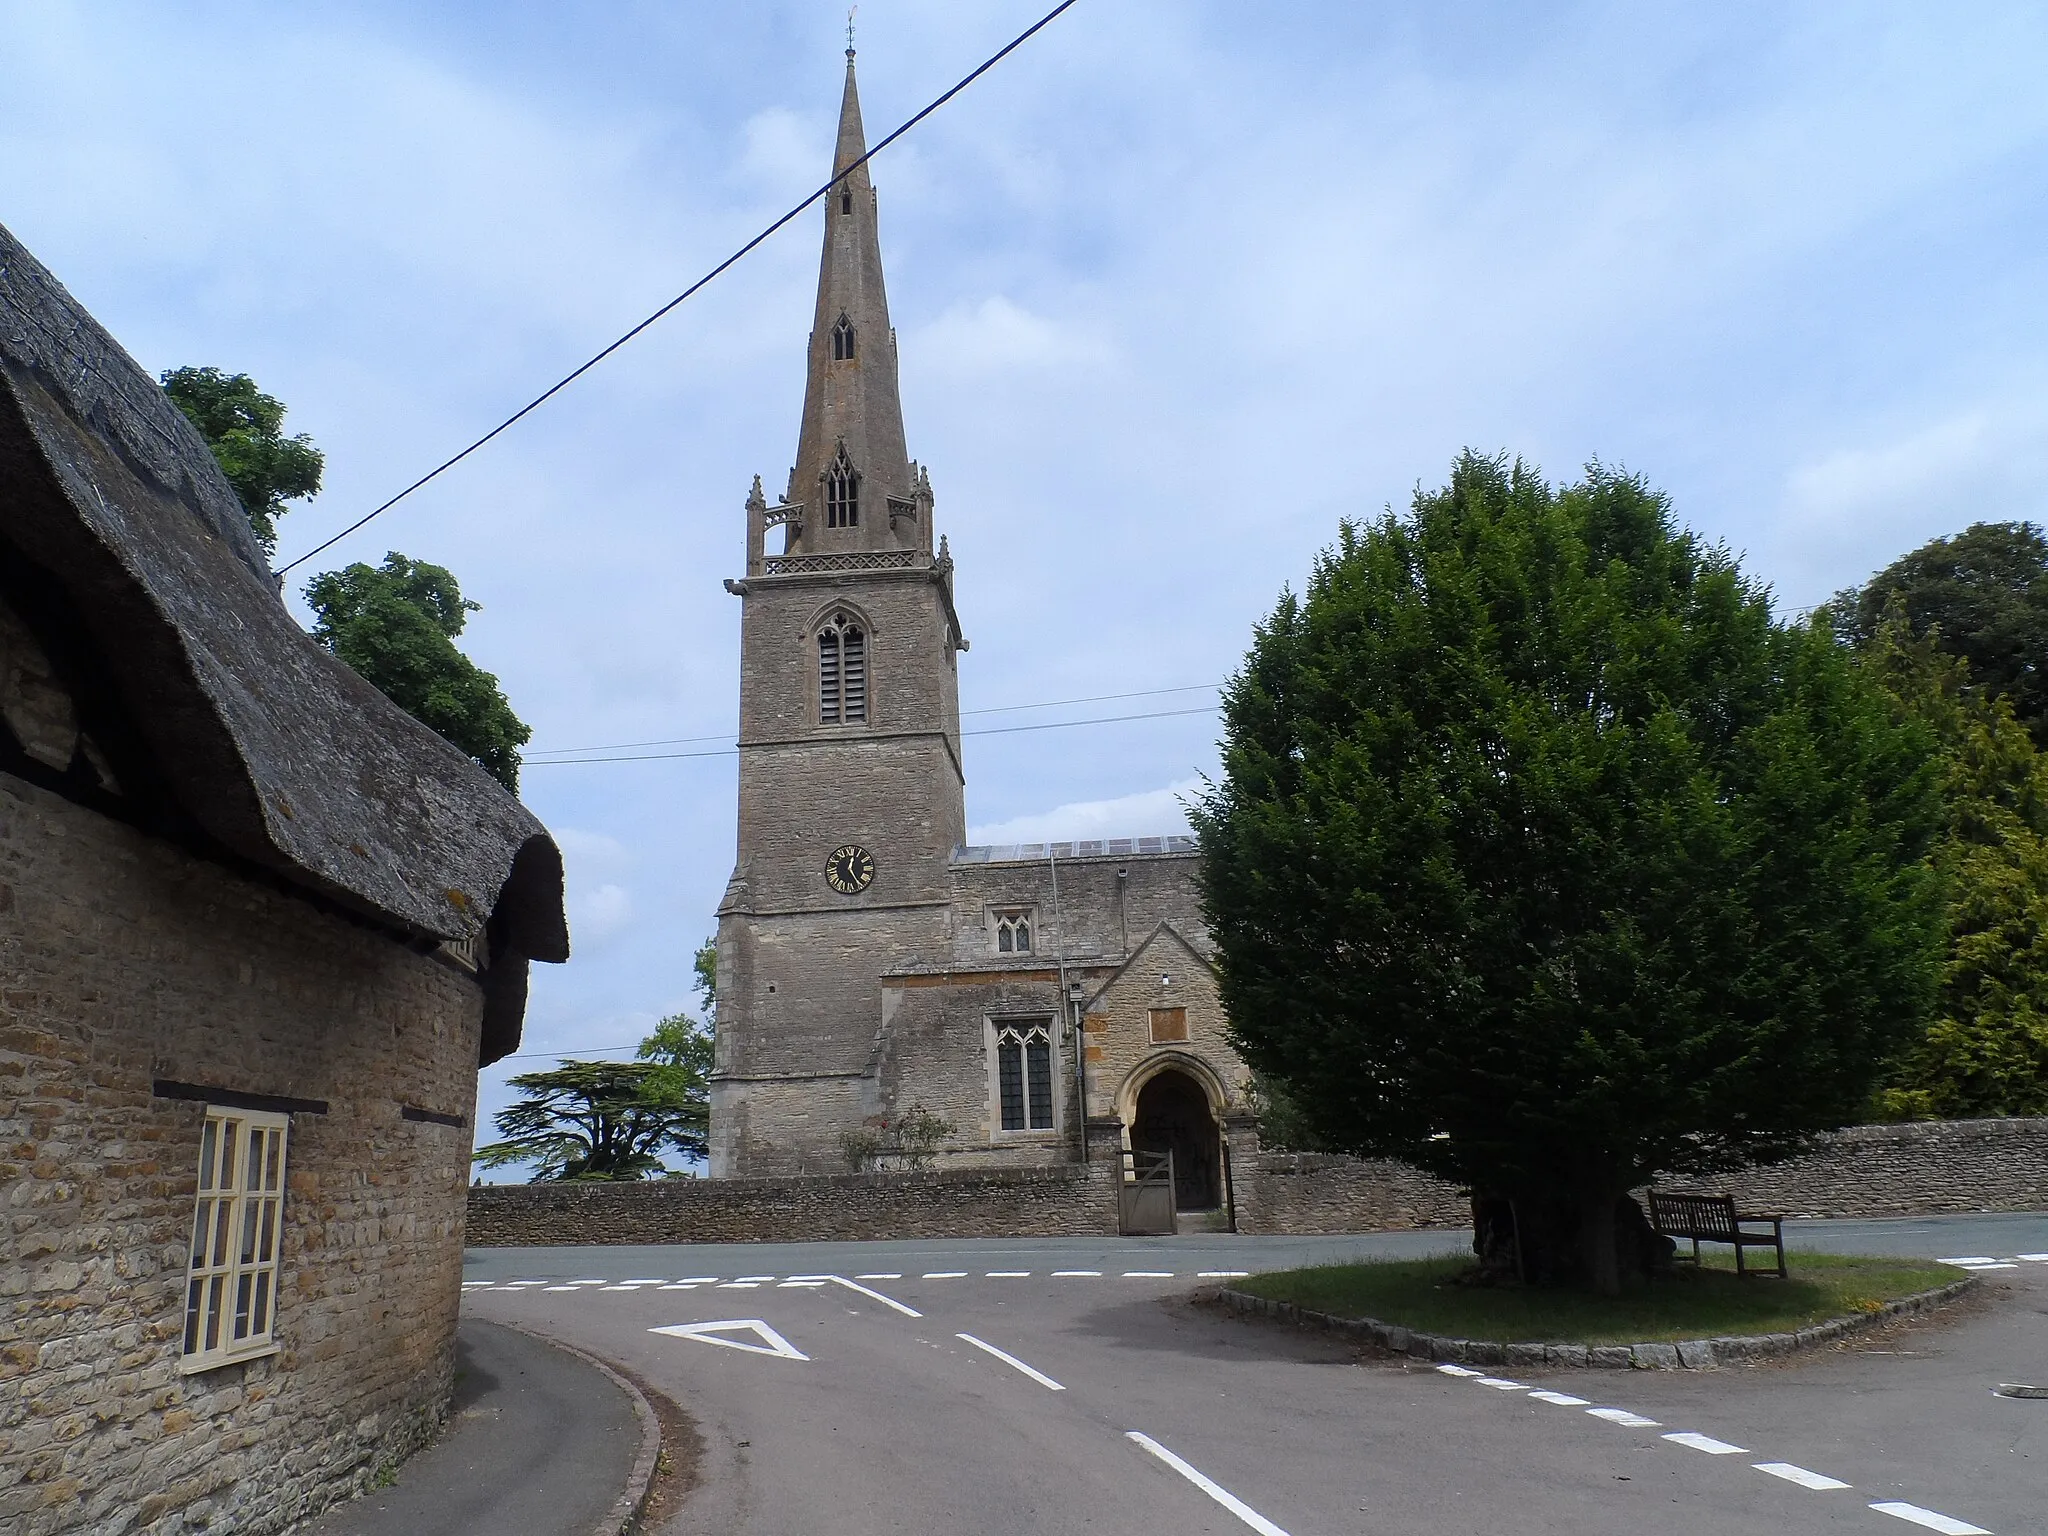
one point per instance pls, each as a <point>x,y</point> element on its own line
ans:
<point>1073,1031</point>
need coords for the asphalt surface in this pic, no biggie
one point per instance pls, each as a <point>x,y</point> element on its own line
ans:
<point>999,1386</point>
<point>538,1444</point>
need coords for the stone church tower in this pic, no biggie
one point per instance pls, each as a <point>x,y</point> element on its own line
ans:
<point>1049,1003</point>
<point>851,789</point>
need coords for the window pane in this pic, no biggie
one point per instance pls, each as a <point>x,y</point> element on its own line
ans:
<point>193,1292</point>
<point>268,1250</point>
<point>255,1176</point>
<point>1023,934</point>
<point>1040,1054</point>
<point>213,1299</point>
<point>250,1209</point>
<point>244,1294</point>
<point>199,1226</point>
<point>275,1166</point>
<point>1003,939</point>
<point>227,1154</point>
<point>223,1212</point>
<point>206,1154</point>
<point>259,1323</point>
<point>1010,1084</point>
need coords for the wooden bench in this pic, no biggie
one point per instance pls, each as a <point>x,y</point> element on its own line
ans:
<point>1712,1219</point>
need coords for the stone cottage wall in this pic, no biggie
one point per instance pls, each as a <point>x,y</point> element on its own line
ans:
<point>124,961</point>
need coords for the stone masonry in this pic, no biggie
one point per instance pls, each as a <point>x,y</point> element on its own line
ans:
<point>190,974</point>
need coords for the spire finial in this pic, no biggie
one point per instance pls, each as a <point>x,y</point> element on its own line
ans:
<point>849,29</point>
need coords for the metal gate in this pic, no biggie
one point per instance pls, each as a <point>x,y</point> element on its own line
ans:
<point>1145,1203</point>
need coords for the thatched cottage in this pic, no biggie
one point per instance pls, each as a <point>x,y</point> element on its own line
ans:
<point>258,928</point>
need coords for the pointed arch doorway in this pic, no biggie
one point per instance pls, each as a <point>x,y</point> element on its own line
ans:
<point>1173,1115</point>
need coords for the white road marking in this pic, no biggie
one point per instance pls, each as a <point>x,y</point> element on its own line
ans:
<point>589,1282</point>
<point>470,1285</point>
<point>1562,1399</point>
<point>510,1283</point>
<point>558,1287</point>
<point>1624,1418</point>
<point>698,1280</point>
<point>1148,1274</point>
<point>2032,1258</point>
<point>1500,1384</point>
<point>1459,1370</point>
<point>799,1285</point>
<point>772,1343</point>
<point>1693,1440</point>
<point>945,1274</point>
<point>1972,1258</point>
<point>1927,1517</point>
<point>741,1285</point>
<point>662,1281</point>
<point>1223,1274</point>
<point>628,1289</point>
<point>1216,1491</point>
<point>1817,1481</point>
<point>684,1285</point>
<point>887,1301</point>
<point>1077,1274</point>
<point>1008,1274</point>
<point>1011,1360</point>
<point>757,1279</point>
<point>894,1274</point>
<point>2000,1265</point>
<point>817,1277</point>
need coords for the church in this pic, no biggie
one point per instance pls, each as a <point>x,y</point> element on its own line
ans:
<point>1050,1003</point>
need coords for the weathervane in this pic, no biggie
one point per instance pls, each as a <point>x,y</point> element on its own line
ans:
<point>849,29</point>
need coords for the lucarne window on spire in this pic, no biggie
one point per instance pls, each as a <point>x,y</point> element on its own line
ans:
<point>842,339</point>
<point>842,494</point>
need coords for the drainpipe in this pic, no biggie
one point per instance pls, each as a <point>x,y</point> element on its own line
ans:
<point>1067,1005</point>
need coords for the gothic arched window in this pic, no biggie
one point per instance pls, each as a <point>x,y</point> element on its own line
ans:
<point>842,672</point>
<point>842,339</point>
<point>842,494</point>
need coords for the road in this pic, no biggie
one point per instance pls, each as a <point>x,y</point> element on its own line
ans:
<point>1063,1386</point>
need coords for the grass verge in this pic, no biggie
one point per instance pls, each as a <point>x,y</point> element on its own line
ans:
<point>1706,1303</point>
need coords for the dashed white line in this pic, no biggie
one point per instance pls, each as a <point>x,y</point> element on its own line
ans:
<point>755,1279</point>
<point>799,1285</point>
<point>1011,1360</point>
<point>628,1289</point>
<point>1148,1274</point>
<point>1223,1274</point>
<point>1007,1274</point>
<point>887,1301</point>
<point>1693,1440</point>
<point>741,1285</point>
<point>558,1287</point>
<point>2032,1258</point>
<point>945,1274</point>
<point>1500,1384</point>
<point>698,1280</point>
<point>1972,1258</point>
<point>893,1274</point>
<point>1562,1399</point>
<point>2002,1264</point>
<point>1459,1370</point>
<point>1927,1517</point>
<point>1077,1274</point>
<point>1216,1491</point>
<point>1819,1482</point>
<point>817,1277</point>
<point>684,1285</point>
<point>1624,1418</point>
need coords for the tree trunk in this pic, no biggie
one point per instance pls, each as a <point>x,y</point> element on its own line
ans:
<point>1583,1240</point>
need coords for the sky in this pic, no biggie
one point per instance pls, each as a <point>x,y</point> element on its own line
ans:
<point>1178,286</point>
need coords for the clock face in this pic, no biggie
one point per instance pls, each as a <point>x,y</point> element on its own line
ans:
<point>850,869</point>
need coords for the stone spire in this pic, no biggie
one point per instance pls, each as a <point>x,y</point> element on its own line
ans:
<point>850,398</point>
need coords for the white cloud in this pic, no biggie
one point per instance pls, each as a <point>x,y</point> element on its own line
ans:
<point>1150,813</point>
<point>998,336</point>
<point>595,915</point>
<point>593,865</point>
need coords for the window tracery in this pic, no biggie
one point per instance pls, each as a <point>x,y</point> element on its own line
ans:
<point>842,672</point>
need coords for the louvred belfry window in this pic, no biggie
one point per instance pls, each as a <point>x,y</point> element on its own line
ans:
<point>842,339</point>
<point>842,494</point>
<point>237,1231</point>
<point>842,673</point>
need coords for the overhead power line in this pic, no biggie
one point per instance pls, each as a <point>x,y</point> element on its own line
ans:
<point>567,379</point>
<point>986,709</point>
<point>986,730</point>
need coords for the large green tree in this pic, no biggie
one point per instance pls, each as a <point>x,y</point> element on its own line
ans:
<point>1984,595</point>
<point>396,624</point>
<point>243,426</point>
<point>1985,1051</point>
<point>597,1120</point>
<point>1543,859</point>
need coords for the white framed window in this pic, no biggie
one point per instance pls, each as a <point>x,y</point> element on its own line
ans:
<point>1024,1074</point>
<point>1013,927</point>
<point>237,1230</point>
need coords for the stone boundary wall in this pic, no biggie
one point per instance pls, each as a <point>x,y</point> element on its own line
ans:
<point>1903,1170</point>
<point>1064,1201</point>
<point>1870,1170</point>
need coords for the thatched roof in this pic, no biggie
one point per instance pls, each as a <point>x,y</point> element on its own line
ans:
<point>275,748</point>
